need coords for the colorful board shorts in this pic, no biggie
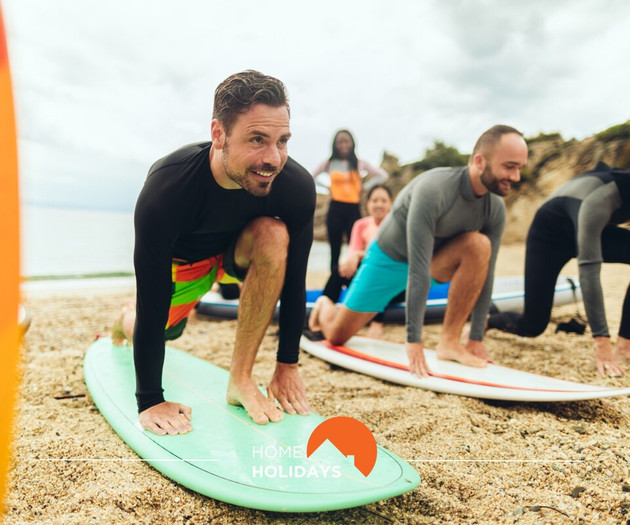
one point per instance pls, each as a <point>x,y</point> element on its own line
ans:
<point>190,282</point>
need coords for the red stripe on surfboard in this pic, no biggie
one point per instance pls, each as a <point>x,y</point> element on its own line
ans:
<point>392,364</point>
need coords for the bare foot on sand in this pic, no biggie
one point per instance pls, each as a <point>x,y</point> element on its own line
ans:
<point>246,394</point>
<point>122,329</point>
<point>313,320</point>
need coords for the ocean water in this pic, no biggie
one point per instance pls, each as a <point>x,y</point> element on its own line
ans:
<point>74,241</point>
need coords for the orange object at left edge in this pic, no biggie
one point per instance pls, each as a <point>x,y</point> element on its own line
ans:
<point>10,270</point>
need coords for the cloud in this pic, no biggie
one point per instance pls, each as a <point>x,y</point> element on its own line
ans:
<point>104,89</point>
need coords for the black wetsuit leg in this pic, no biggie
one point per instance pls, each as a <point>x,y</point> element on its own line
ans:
<point>335,282</point>
<point>550,245</point>
<point>339,220</point>
<point>624,327</point>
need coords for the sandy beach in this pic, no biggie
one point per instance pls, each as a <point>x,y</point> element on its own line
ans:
<point>480,461</point>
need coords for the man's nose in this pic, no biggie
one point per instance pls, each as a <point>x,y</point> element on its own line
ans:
<point>272,155</point>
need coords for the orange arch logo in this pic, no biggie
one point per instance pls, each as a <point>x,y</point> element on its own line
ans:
<point>350,437</point>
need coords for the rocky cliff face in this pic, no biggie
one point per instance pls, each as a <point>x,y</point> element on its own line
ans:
<point>552,161</point>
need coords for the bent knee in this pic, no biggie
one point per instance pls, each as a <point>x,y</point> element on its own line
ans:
<point>337,338</point>
<point>478,243</point>
<point>264,228</point>
<point>268,235</point>
<point>263,239</point>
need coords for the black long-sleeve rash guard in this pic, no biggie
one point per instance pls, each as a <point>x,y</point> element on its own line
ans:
<point>183,213</point>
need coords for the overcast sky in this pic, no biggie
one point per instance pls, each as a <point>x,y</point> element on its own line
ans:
<point>105,88</point>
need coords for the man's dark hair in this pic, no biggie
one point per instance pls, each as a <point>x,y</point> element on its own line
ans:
<point>490,138</point>
<point>239,92</point>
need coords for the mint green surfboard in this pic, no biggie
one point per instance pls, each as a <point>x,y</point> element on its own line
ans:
<point>228,457</point>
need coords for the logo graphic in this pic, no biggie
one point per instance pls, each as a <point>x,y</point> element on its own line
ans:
<point>351,437</point>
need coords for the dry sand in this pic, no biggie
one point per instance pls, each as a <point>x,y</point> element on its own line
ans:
<point>483,461</point>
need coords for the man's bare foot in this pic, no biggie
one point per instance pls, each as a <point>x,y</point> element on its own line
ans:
<point>122,329</point>
<point>167,418</point>
<point>246,394</point>
<point>313,320</point>
<point>375,330</point>
<point>456,352</point>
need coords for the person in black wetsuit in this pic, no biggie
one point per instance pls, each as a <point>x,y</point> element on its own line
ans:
<point>580,219</point>
<point>236,206</point>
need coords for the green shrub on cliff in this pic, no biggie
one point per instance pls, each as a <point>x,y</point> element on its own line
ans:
<point>440,155</point>
<point>543,137</point>
<point>620,131</point>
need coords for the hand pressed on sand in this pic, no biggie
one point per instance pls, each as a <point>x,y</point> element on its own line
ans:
<point>604,358</point>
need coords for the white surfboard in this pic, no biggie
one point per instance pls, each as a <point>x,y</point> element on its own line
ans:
<point>388,361</point>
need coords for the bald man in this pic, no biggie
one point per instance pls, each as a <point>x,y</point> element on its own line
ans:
<point>445,226</point>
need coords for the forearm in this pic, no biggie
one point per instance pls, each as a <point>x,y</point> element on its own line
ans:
<point>479,315</point>
<point>152,262</point>
<point>148,339</point>
<point>376,175</point>
<point>293,296</point>
<point>480,311</point>
<point>593,298</point>
<point>418,284</point>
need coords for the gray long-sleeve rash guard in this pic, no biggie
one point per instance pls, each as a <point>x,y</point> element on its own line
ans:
<point>433,208</point>
<point>598,203</point>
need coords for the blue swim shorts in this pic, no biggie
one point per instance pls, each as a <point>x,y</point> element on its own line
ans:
<point>378,279</point>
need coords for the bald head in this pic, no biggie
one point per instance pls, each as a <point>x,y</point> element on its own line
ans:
<point>489,139</point>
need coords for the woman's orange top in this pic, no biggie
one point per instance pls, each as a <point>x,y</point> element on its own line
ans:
<point>345,186</point>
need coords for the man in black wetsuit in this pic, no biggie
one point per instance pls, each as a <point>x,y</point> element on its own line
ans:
<point>237,206</point>
<point>580,219</point>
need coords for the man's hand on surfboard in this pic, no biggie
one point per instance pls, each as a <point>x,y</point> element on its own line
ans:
<point>604,359</point>
<point>478,348</point>
<point>417,365</point>
<point>287,387</point>
<point>167,418</point>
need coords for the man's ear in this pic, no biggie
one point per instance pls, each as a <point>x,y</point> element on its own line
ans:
<point>479,162</point>
<point>217,134</point>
